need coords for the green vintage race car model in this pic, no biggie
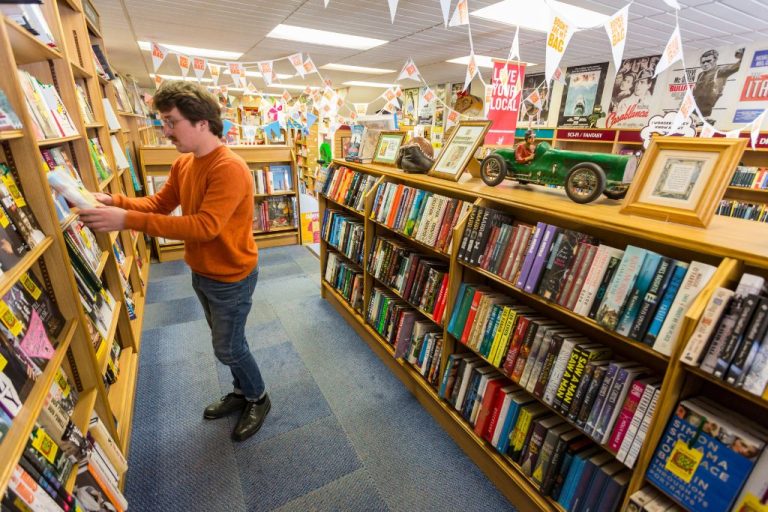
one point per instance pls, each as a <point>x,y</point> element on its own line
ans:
<point>584,175</point>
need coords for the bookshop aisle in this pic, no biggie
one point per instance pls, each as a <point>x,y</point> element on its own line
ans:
<point>343,432</point>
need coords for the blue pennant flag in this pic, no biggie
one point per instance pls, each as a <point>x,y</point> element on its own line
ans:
<point>311,119</point>
<point>272,130</point>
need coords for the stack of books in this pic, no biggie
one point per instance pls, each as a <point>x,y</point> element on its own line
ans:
<point>750,177</point>
<point>743,210</point>
<point>49,115</point>
<point>275,213</point>
<point>345,186</point>
<point>344,233</point>
<point>273,178</point>
<point>346,278</point>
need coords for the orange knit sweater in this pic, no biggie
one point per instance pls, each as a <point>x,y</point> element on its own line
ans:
<point>216,197</point>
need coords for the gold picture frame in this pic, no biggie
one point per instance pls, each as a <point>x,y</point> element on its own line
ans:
<point>682,179</point>
<point>459,149</point>
<point>387,147</point>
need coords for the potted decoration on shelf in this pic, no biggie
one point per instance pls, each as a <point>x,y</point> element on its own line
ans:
<point>584,175</point>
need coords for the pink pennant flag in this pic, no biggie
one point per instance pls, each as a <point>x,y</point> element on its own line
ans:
<point>398,92</point>
<point>158,81</point>
<point>460,14</point>
<point>199,66</point>
<point>409,71</point>
<point>184,64</point>
<point>389,94</point>
<point>428,95</point>
<point>215,70</point>
<point>158,55</point>
<point>265,68</point>
<point>687,107</point>
<point>309,66</point>
<point>534,98</point>
<point>559,75</point>
<point>297,60</point>
<point>286,96</point>
<point>237,72</point>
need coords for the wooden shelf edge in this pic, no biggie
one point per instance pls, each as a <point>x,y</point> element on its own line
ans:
<point>44,143</point>
<point>741,393</point>
<point>11,134</point>
<point>102,263</point>
<point>421,244</point>
<point>26,47</point>
<point>342,205</point>
<point>10,277</point>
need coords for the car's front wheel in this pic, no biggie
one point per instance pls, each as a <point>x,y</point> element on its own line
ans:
<point>493,170</point>
<point>615,194</point>
<point>585,182</point>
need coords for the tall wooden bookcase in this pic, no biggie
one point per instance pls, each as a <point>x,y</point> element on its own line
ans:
<point>732,245</point>
<point>157,160</point>
<point>69,63</point>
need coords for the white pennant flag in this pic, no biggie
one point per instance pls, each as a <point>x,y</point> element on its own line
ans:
<point>410,71</point>
<point>514,51</point>
<point>158,55</point>
<point>445,6</point>
<point>251,89</point>
<point>755,131</point>
<point>184,64</point>
<point>707,131</point>
<point>673,4</point>
<point>361,108</point>
<point>733,134</point>
<point>687,107</point>
<point>215,73</point>
<point>672,52</point>
<point>560,33</point>
<point>428,96</point>
<point>535,98</point>
<point>265,68</point>
<point>559,75</point>
<point>297,60</point>
<point>325,2</point>
<point>460,14</point>
<point>616,28</point>
<point>471,71</point>
<point>237,72</point>
<point>392,9</point>
<point>158,81</point>
<point>309,66</point>
<point>199,66</point>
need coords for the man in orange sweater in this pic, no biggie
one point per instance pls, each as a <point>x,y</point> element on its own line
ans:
<point>214,188</point>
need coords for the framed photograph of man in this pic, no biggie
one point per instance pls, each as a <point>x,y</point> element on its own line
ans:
<point>459,149</point>
<point>387,147</point>
<point>682,179</point>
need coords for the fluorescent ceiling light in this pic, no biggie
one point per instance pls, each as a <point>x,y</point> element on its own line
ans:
<point>196,52</point>
<point>323,37</point>
<point>293,87</point>
<point>482,61</point>
<point>357,69</point>
<point>535,15</point>
<point>178,77</point>
<point>258,74</point>
<point>368,84</point>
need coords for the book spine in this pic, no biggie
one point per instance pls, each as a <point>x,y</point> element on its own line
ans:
<point>613,264</point>
<point>637,443</point>
<point>748,349</point>
<point>595,386</point>
<point>530,254</point>
<point>701,336</point>
<point>637,418</point>
<point>570,367</point>
<point>627,413</point>
<point>581,392</point>
<point>537,267</point>
<point>731,345</point>
<point>664,305</point>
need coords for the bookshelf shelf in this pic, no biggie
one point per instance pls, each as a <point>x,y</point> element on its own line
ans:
<point>92,28</point>
<point>102,263</point>
<point>81,416</point>
<point>104,184</point>
<point>274,230</point>
<point>79,71</point>
<point>126,266</point>
<point>731,390</point>
<point>342,205</point>
<point>94,125</point>
<point>45,143</point>
<point>9,277</point>
<point>11,134</point>
<point>346,258</point>
<point>27,49</point>
<point>278,193</point>
<point>328,286</point>
<point>72,4</point>
<point>121,394</point>
<point>422,245</point>
<point>104,358</point>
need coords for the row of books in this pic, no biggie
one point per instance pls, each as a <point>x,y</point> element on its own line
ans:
<point>560,367</point>
<point>31,18</point>
<point>634,291</point>
<point>649,499</point>
<point>85,105</point>
<point>49,115</point>
<point>421,281</point>
<point>423,350</point>
<point>103,69</point>
<point>272,178</point>
<point>9,119</point>
<point>750,177</point>
<point>711,458</point>
<point>347,279</point>
<point>419,214</point>
<point>344,186</point>
<point>559,459</point>
<point>119,253</point>
<point>19,230</point>
<point>730,340</point>
<point>344,233</point>
<point>128,96</point>
<point>273,213</point>
<point>154,185</point>
<point>100,163</point>
<point>743,210</point>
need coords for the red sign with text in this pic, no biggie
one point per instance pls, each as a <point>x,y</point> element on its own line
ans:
<point>596,135</point>
<point>504,106</point>
<point>760,143</point>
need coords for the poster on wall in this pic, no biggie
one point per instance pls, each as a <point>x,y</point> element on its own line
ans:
<point>410,105</point>
<point>426,108</point>
<point>580,105</point>
<point>712,74</point>
<point>504,104</point>
<point>439,108</point>
<point>632,95</point>
<point>754,88</point>
<point>534,114</point>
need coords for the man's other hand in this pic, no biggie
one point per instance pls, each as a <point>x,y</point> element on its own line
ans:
<point>107,218</point>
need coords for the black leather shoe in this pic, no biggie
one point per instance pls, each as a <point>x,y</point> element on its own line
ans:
<point>251,419</point>
<point>224,407</point>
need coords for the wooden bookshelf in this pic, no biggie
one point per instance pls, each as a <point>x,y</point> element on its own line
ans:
<point>729,244</point>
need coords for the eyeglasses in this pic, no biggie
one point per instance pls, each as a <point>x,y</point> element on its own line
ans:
<point>170,123</point>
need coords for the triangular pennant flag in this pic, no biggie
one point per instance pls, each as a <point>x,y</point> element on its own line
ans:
<point>559,75</point>
<point>445,6</point>
<point>389,94</point>
<point>265,68</point>
<point>215,72</point>
<point>158,81</point>
<point>428,96</point>
<point>460,14</point>
<point>398,92</point>
<point>297,60</point>
<point>514,51</point>
<point>518,87</point>
<point>452,118</point>
<point>733,134</point>
<point>328,82</point>
<point>309,66</point>
<point>184,64</point>
<point>251,89</point>
<point>687,108</point>
<point>286,96</point>
<point>560,33</point>
<point>616,28</point>
<point>361,108</point>
<point>707,131</point>
<point>325,3</point>
<point>199,66</point>
<point>534,98</point>
<point>672,52</point>
<point>409,71</point>
<point>392,9</point>
<point>673,4</point>
<point>237,72</point>
<point>755,130</point>
<point>471,71</point>
<point>158,55</point>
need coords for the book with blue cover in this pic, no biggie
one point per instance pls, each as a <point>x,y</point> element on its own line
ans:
<point>642,284</point>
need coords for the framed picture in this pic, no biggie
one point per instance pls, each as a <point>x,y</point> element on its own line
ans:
<point>682,179</point>
<point>387,147</point>
<point>459,149</point>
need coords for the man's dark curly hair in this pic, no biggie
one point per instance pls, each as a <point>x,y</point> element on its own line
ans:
<point>194,102</point>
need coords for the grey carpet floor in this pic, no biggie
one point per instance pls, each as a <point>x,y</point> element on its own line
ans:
<point>343,433</point>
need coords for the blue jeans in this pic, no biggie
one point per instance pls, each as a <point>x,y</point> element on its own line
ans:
<point>226,307</point>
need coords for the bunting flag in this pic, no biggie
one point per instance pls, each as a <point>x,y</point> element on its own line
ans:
<point>687,108</point>
<point>328,82</point>
<point>237,72</point>
<point>453,118</point>
<point>158,55</point>
<point>755,130</point>
<point>265,68</point>
<point>410,71</point>
<point>707,131</point>
<point>361,108</point>
<point>353,116</point>
<point>398,92</point>
<point>297,60</point>
<point>428,96</point>
<point>514,51</point>
<point>307,90</point>
<point>184,65</point>
<point>560,34</point>
<point>199,66</point>
<point>733,134</point>
<point>392,9</point>
<point>616,28</point>
<point>445,6</point>
<point>460,14</point>
<point>251,90</point>
<point>471,71</point>
<point>559,75</point>
<point>673,4</point>
<point>389,94</point>
<point>672,52</point>
<point>535,98</point>
<point>272,130</point>
<point>286,96</point>
<point>215,72</point>
<point>325,3</point>
<point>158,81</point>
<point>309,66</point>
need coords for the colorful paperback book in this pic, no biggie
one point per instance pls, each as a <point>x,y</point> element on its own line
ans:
<point>8,118</point>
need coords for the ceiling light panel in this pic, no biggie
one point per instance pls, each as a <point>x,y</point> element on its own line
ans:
<point>195,52</point>
<point>357,69</point>
<point>323,37</point>
<point>535,15</point>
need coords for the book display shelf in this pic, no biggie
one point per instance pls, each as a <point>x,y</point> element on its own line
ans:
<point>306,151</point>
<point>406,283</point>
<point>275,195</point>
<point>78,330</point>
